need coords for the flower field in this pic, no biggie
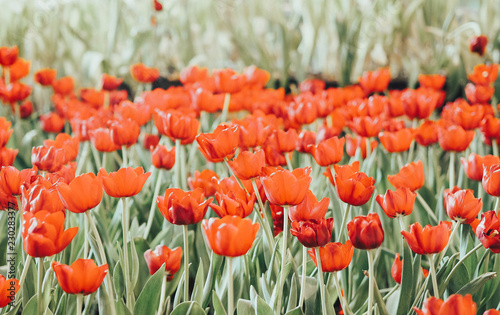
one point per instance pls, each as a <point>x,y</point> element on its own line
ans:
<point>225,194</point>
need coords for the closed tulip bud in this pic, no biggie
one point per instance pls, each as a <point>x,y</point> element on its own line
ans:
<point>397,269</point>
<point>161,157</point>
<point>365,232</point>
<point>334,256</point>
<point>399,202</point>
<point>313,233</point>
<point>164,255</point>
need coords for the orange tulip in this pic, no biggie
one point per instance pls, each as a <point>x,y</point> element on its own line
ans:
<point>375,81</point>
<point>491,180</point>
<point>365,232</point>
<point>51,122</point>
<point>125,132</point>
<point>144,74</point>
<point>313,233</point>
<point>141,113</point>
<point>455,138</point>
<point>429,240</point>
<point>475,164</point>
<point>102,141</point>
<point>19,69</point>
<point>228,81</point>
<point>411,175</point>
<point>14,92</point>
<point>492,312</point>
<point>285,141</point>
<point>455,304</point>
<point>178,125</point>
<point>45,76</point>
<point>7,156</point>
<point>355,143</point>
<point>150,141</point>
<point>8,55</point>
<point>40,194</point>
<point>354,188</point>
<point>8,290</point>
<point>82,277</point>
<point>309,208</point>
<point>462,207</point>
<point>397,269</point>
<point>204,181</point>
<point>64,85</point>
<point>193,74</point>
<point>398,141</point>
<point>49,159</point>
<point>82,194</point>
<point>283,187</point>
<point>366,126</point>
<point>236,202</point>
<point>328,152</point>
<point>248,165</point>
<point>230,236</point>
<point>490,127</point>
<point>334,256</point>
<point>433,81</point>
<point>488,231</point>
<point>44,235</point>
<point>70,145</point>
<point>484,74</point>
<point>420,103</point>
<point>220,144</point>
<point>479,94</point>
<point>183,208</point>
<point>11,180</point>
<point>427,133</point>
<point>110,82</point>
<point>161,157</point>
<point>399,202</point>
<point>125,182</point>
<point>164,255</point>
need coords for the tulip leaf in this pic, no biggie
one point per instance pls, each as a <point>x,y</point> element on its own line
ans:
<point>186,308</point>
<point>382,309</point>
<point>121,308</point>
<point>262,308</point>
<point>31,306</point>
<point>292,297</point>
<point>213,270</point>
<point>104,301</point>
<point>14,310</point>
<point>148,300</point>
<point>118,280</point>
<point>295,311</point>
<point>197,294</point>
<point>244,307</point>
<point>473,286</point>
<point>460,278</point>
<point>141,245</point>
<point>407,281</point>
<point>219,309</point>
<point>310,293</point>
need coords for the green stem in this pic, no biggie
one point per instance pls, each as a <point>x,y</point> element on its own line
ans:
<point>86,240</point>
<point>284,251</point>
<point>104,160</point>
<point>426,207</point>
<point>303,277</point>
<point>267,229</point>
<point>368,148</point>
<point>79,302</point>
<point>400,160</point>
<point>153,205</point>
<point>237,178</point>
<point>410,153</point>
<point>452,170</point>
<point>321,281</point>
<point>371,278</point>
<point>497,205</point>
<point>183,179</point>
<point>434,276</point>
<point>288,161</point>
<point>455,268</point>
<point>225,108</point>
<point>124,156</point>
<point>342,299</point>
<point>177,165</point>
<point>494,144</point>
<point>186,263</point>
<point>103,259</point>
<point>40,282</point>
<point>162,294</point>
<point>125,223</point>
<point>230,288</point>
<point>24,274</point>
<point>344,221</point>
<point>401,223</point>
<point>450,239</point>
<point>83,158</point>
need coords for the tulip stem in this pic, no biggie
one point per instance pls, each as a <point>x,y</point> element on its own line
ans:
<point>342,299</point>
<point>494,145</point>
<point>426,207</point>
<point>303,277</point>
<point>24,273</point>
<point>262,217</point>
<point>434,276</point>
<point>321,281</point>
<point>288,161</point>
<point>450,239</point>
<point>163,293</point>
<point>400,160</point>
<point>371,278</point>
<point>230,288</point>
<point>104,261</point>
<point>124,155</point>
<point>182,155</point>
<point>125,222</point>
<point>86,240</point>
<point>104,160</point>
<point>238,180</point>
<point>368,148</point>
<point>283,257</point>
<point>79,302</point>
<point>401,223</point>
<point>344,220</point>
<point>40,282</point>
<point>153,205</point>
<point>497,205</point>
<point>225,108</point>
<point>177,165</point>
<point>186,263</point>
<point>452,170</point>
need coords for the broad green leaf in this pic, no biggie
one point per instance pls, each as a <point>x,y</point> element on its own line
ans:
<point>148,300</point>
<point>295,311</point>
<point>244,307</point>
<point>218,307</point>
<point>213,271</point>
<point>476,284</point>
<point>407,281</point>
<point>118,280</point>
<point>262,308</point>
<point>197,294</point>
<point>187,308</point>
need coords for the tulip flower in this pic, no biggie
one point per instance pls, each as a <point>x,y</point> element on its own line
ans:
<point>125,182</point>
<point>399,202</point>
<point>429,240</point>
<point>51,122</point>
<point>313,233</point>
<point>398,141</point>
<point>163,158</point>
<point>355,143</point>
<point>283,187</point>
<point>411,176</point>
<point>8,55</point>
<point>375,81</point>
<point>220,144</point>
<point>354,188</point>
<point>397,269</point>
<point>204,181</point>
<point>7,156</point>
<point>477,44</point>
<point>144,74</point>
<point>11,180</point>
<point>328,152</point>
<point>248,165</point>
<point>183,208</point>
<point>365,232</point>
<point>334,256</point>
<point>102,141</point>
<point>488,231</point>
<point>8,290</point>
<point>492,312</point>
<point>253,132</point>
<point>45,76</point>
<point>455,304</point>
<point>455,138</point>
<point>433,81</point>
<point>82,194</point>
<point>462,207</point>
<point>475,164</point>
<point>427,133</point>
<point>44,235</point>
<point>125,132</point>
<point>82,277</point>
<point>236,202</point>
<point>366,126</point>
<point>178,125</point>
<point>491,180</point>
<point>110,82</point>
<point>309,209</point>
<point>49,159</point>
<point>164,255</point>
<point>64,85</point>
<point>40,195</point>
<point>484,74</point>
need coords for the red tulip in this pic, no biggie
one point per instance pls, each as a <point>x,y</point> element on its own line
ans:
<point>45,76</point>
<point>328,152</point>
<point>40,194</point>
<point>51,122</point>
<point>64,85</point>
<point>220,144</point>
<point>354,188</point>
<point>161,157</point>
<point>355,143</point>
<point>366,126</point>
<point>411,175</point>
<point>455,138</point>
<point>82,194</point>
<point>82,277</point>
<point>309,208</point>
<point>398,141</point>
<point>334,256</point>
<point>144,74</point>
<point>365,232</point>
<point>313,233</point>
<point>102,141</point>
<point>455,304</point>
<point>233,202</point>
<point>491,180</point>
<point>125,182</point>
<point>7,156</point>
<point>283,187</point>
<point>49,159</point>
<point>433,81</point>
<point>230,236</point>
<point>484,74</point>
<point>8,290</point>
<point>11,179</point>
<point>125,132</point>
<point>183,208</point>
<point>475,165</point>
<point>375,81</point>
<point>110,82</point>
<point>488,231</point>
<point>462,207</point>
<point>248,165</point>
<point>178,125</point>
<point>427,133</point>
<point>477,44</point>
<point>429,240</point>
<point>399,202</point>
<point>397,269</point>
<point>8,55</point>
<point>204,181</point>
<point>164,255</point>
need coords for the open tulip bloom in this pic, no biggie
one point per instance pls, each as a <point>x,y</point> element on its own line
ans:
<point>86,231</point>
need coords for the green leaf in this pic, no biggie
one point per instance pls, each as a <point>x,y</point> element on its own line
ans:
<point>187,308</point>
<point>292,297</point>
<point>295,311</point>
<point>244,307</point>
<point>148,300</point>
<point>262,307</point>
<point>197,294</point>
<point>31,306</point>
<point>459,279</point>
<point>476,284</point>
<point>407,282</point>
<point>213,271</point>
<point>218,307</point>
<point>118,280</point>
